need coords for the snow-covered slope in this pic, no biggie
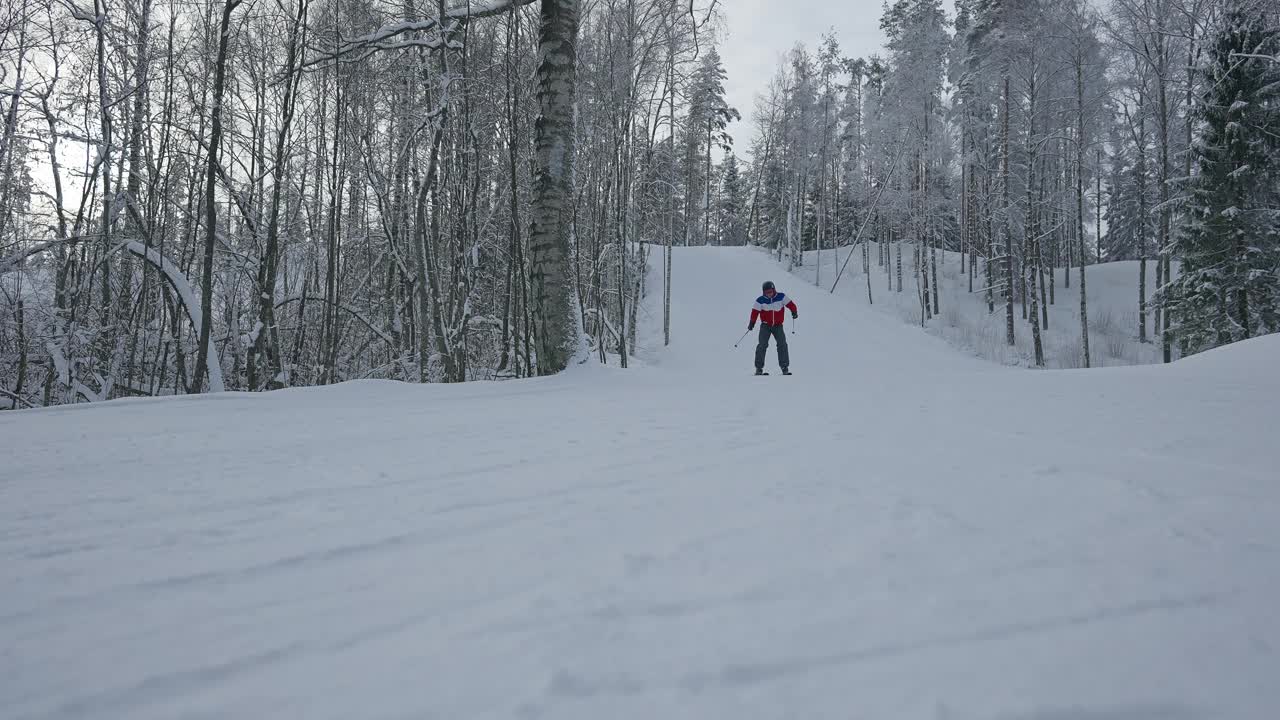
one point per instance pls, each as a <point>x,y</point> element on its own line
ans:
<point>966,323</point>
<point>898,531</point>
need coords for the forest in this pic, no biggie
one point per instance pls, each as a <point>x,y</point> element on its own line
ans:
<point>257,194</point>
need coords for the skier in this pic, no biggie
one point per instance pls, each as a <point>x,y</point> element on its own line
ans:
<point>769,310</point>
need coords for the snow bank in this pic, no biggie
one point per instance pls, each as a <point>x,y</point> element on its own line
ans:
<point>1254,361</point>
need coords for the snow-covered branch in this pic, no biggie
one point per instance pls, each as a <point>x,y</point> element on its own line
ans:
<point>376,41</point>
<point>190,303</point>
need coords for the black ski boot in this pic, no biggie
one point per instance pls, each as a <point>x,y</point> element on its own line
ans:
<point>786,371</point>
<point>760,371</point>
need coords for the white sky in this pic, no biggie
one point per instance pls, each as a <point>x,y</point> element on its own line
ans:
<point>760,32</point>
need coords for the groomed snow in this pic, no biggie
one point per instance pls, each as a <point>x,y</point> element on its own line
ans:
<point>899,531</point>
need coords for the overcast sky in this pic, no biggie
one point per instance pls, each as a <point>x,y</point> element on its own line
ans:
<point>760,32</point>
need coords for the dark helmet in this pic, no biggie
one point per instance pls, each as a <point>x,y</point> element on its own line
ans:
<point>768,285</point>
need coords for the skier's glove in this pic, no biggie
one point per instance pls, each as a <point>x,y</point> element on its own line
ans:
<point>751,326</point>
<point>794,315</point>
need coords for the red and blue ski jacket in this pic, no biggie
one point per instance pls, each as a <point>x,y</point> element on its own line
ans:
<point>771,309</point>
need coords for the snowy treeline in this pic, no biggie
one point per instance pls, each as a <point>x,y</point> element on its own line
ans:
<point>246,194</point>
<point>1032,139</point>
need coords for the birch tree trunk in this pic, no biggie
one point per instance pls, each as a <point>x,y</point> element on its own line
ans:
<point>550,272</point>
<point>1079,172</point>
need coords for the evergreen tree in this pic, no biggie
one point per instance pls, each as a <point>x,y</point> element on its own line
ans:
<point>707,127</point>
<point>852,178</point>
<point>1121,239</point>
<point>732,228</point>
<point>1229,288</point>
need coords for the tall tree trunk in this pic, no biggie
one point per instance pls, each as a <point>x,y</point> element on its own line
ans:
<point>1008,231</point>
<point>134,209</point>
<point>108,198</point>
<point>1097,202</point>
<point>928,217</point>
<point>706,189</point>
<point>898,251</point>
<point>267,338</point>
<point>671,214</point>
<point>1031,230</point>
<point>988,234</point>
<point>1040,254</point>
<point>1193,52</point>
<point>1142,220</point>
<point>203,356</point>
<point>550,273</point>
<point>515,276</point>
<point>1162,273</point>
<point>1079,173</point>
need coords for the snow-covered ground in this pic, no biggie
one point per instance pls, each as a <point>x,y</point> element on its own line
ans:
<point>898,531</point>
<point>966,323</point>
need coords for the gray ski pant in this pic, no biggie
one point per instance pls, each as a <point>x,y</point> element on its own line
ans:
<point>780,337</point>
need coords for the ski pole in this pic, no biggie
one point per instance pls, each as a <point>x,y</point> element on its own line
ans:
<point>744,335</point>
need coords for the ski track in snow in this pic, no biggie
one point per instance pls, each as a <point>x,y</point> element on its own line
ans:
<point>897,531</point>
